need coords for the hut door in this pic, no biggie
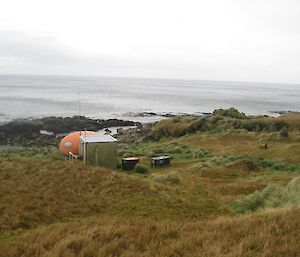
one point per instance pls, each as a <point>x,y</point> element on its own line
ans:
<point>84,153</point>
<point>96,156</point>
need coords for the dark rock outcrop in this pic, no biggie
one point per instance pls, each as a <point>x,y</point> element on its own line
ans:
<point>27,131</point>
<point>68,124</point>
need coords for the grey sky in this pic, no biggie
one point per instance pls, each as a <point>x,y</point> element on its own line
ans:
<point>217,39</point>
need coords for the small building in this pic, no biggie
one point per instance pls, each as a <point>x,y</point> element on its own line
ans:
<point>160,161</point>
<point>98,150</point>
<point>129,163</point>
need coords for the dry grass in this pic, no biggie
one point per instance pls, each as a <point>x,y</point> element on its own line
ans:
<point>293,119</point>
<point>56,208</point>
<point>36,192</point>
<point>286,150</point>
<point>274,233</point>
<point>43,191</point>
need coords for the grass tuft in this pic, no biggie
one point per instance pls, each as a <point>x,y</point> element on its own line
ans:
<point>141,169</point>
<point>171,177</point>
<point>272,196</point>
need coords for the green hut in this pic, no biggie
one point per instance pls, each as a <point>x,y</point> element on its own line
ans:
<point>99,150</point>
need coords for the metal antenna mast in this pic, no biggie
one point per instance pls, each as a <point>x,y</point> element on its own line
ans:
<point>79,102</point>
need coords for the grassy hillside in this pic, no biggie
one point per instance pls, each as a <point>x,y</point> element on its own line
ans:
<point>34,192</point>
<point>271,234</point>
<point>194,207</point>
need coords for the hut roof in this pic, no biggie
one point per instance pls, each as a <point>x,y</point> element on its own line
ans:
<point>98,139</point>
<point>161,157</point>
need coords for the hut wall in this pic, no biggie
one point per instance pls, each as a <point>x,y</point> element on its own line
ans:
<point>102,154</point>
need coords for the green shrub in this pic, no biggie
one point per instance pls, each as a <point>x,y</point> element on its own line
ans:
<point>231,112</point>
<point>201,124</point>
<point>141,169</point>
<point>277,125</point>
<point>284,132</point>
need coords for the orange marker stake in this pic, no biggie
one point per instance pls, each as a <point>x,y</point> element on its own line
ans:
<point>193,183</point>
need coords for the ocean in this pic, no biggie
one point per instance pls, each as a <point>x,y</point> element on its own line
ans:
<point>124,98</point>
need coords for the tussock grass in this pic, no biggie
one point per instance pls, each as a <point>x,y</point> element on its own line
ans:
<point>273,233</point>
<point>276,165</point>
<point>42,191</point>
<point>171,177</point>
<point>220,121</point>
<point>272,196</point>
<point>141,169</point>
<point>150,149</point>
<point>46,152</point>
<point>248,143</point>
<point>36,192</point>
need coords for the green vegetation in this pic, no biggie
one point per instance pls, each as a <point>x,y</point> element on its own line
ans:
<point>220,121</point>
<point>206,157</point>
<point>46,152</point>
<point>271,197</point>
<point>150,149</point>
<point>223,186</point>
<point>231,112</point>
<point>171,177</point>
<point>141,169</point>
<point>284,132</point>
<point>276,166</point>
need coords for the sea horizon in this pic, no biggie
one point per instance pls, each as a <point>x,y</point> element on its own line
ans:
<point>35,96</point>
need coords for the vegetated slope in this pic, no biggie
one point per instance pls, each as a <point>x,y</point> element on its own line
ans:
<point>41,191</point>
<point>272,196</point>
<point>167,211</point>
<point>249,143</point>
<point>222,120</point>
<point>274,233</point>
<point>35,192</point>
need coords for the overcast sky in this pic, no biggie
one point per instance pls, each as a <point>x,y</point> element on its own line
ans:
<point>248,40</point>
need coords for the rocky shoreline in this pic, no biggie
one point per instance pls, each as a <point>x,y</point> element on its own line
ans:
<point>165,114</point>
<point>49,130</point>
<point>46,130</point>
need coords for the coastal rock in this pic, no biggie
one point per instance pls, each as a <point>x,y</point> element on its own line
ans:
<point>24,131</point>
<point>165,114</point>
<point>68,124</point>
<point>21,127</point>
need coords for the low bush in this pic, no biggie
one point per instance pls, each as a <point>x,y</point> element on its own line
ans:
<point>263,124</point>
<point>231,112</point>
<point>277,126</point>
<point>141,169</point>
<point>284,132</point>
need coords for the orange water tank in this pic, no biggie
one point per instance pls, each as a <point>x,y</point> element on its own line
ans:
<point>70,143</point>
